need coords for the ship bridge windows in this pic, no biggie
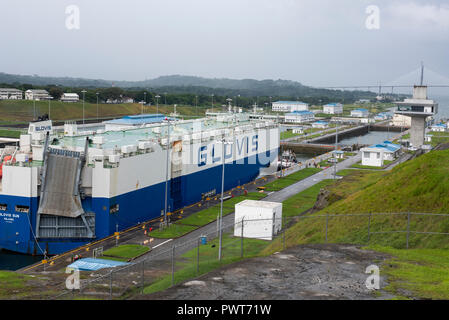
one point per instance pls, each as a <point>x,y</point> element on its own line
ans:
<point>22,209</point>
<point>3,207</point>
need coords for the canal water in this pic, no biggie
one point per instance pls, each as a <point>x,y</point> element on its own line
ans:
<point>13,261</point>
<point>372,137</point>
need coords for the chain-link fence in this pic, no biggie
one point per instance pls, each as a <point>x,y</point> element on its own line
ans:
<point>179,261</point>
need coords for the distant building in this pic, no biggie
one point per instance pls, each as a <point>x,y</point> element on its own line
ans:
<point>333,108</point>
<point>37,94</point>
<point>363,101</point>
<point>320,124</point>
<point>10,94</point>
<point>375,155</point>
<point>299,117</point>
<point>441,127</point>
<point>70,97</point>
<point>360,113</point>
<point>289,106</point>
<point>129,122</point>
<point>120,100</point>
<point>400,120</point>
<point>382,116</point>
<point>299,130</point>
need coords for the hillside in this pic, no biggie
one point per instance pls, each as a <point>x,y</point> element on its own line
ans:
<point>194,85</point>
<point>420,186</point>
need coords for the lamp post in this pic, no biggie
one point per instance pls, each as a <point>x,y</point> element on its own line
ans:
<point>49,107</point>
<point>84,91</point>
<point>34,108</point>
<point>196,105</point>
<point>97,104</point>
<point>144,99</point>
<point>142,103</point>
<point>212,102</point>
<point>166,171</point>
<point>165,94</point>
<point>224,143</point>
<point>157,103</point>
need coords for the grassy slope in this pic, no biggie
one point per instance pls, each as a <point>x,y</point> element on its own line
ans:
<point>420,185</point>
<point>23,110</point>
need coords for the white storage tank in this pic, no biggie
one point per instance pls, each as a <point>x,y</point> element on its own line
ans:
<point>261,219</point>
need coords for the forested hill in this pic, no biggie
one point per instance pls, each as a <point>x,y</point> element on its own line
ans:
<point>191,85</point>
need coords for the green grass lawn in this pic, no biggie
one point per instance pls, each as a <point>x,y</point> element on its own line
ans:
<point>439,137</point>
<point>414,273</point>
<point>125,252</point>
<point>203,217</point>
<point>358,165</point>
<point>10,133</point>
<point>15,111</point>
<point>346,172</point>
<point>286,181</point>
<point>187,268</point>
<point>289,134</point>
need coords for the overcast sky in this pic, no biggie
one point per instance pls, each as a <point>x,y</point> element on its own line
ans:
<point>316,42</point>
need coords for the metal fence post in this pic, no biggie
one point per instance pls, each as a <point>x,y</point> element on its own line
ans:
<point>110,285</point>
<point>408,228</point>
<point>369,227</point>
<point>283,239</point>
<point>241,245</point>
<point>198,257</point>
<point>327,221</point>
<point>173,266</point>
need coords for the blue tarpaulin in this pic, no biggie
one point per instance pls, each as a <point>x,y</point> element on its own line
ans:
<point>90,264</point>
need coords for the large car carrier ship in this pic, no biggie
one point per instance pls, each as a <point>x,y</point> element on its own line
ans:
<point>61,190</point>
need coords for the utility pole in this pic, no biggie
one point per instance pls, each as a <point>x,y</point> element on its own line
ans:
<point>84,91</point>
<point>166,172</point>
<point>224,143</point>
<point>97,104</point>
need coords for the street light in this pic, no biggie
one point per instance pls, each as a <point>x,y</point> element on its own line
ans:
<point>49,107</point>
<point>142,103</point>
<point>196,105</point>
<point>165,94</point>
<point>84,91</point>
<point>144,99</point>
<point>212,102</point>
<point>166,171</point>
<point>157,103</point>
<point>224,142</point>
<point>97,104</point>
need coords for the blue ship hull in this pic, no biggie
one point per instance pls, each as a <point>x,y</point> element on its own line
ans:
<point>17,230</point>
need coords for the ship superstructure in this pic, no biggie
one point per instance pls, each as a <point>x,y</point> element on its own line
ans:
<point>60,190</point>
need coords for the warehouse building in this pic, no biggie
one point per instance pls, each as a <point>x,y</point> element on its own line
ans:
<point>299,117</point>
<point>333,108</point>
<point>70,97</point>
<point>37,94</point>
<point>289,106</point>
<point>10,94</point>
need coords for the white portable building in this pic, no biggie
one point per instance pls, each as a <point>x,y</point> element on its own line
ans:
<point>261,219</point>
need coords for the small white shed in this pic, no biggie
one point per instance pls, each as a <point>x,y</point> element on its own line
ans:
<point>261,219</point>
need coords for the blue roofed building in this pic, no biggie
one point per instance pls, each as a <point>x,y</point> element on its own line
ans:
<point>440,127</point>
<point>333,108</point>
<point>289,106</point>
<point>360,113</point>
<point>299,117</point>
<point>140,120</point>
<point>375,155</point>
<point>320,124</point>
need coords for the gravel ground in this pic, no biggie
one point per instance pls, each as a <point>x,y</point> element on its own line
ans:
<point>300,273</point>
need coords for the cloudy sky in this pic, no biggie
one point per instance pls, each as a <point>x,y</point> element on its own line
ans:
<point>316,42</point>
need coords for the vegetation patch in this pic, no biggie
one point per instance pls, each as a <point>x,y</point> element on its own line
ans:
<point>417,272</point>
<point>125,252</point>
<point>187,269</point>
<point>286,181</point>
